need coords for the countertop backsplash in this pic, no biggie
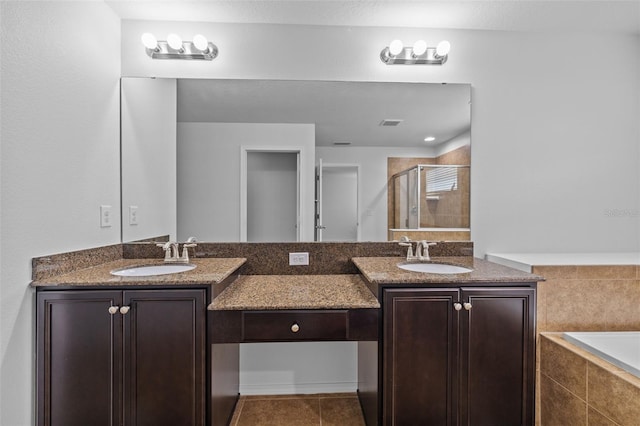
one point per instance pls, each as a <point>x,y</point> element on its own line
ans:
<point>262,258</point>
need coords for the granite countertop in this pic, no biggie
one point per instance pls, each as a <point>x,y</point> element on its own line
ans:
<point>207,271</point>
<point>384,270</point>
<point>271,292</point>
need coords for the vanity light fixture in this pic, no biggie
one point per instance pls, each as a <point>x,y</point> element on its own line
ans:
<point>418,54</point>
<point>175,48</point>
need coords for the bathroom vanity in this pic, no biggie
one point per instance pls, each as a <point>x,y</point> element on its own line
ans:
<point>456,349</point>
<point>441,349</point>
<point>125,350</point>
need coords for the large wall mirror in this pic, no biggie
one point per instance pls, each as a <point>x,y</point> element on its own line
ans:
<point>282,160</point>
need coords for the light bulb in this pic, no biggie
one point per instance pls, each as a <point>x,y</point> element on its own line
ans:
<point>149,41</point>
<point>200,42</point>
<point>395,47</point>
<point>419,47</point>
<point>443,48</point>
<point>174,41</point>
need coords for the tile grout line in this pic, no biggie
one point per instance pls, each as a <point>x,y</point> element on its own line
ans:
<point>320,411</point>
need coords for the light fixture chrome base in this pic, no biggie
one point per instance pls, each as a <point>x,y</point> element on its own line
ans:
<point>188,51</point>
<point>406,57</point>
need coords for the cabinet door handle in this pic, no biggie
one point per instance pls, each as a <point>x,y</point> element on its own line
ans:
<point>467,306</point>
<point>295,328</point>
<point>113,310</point>
<point>457,306</point>
<point>124,310</point>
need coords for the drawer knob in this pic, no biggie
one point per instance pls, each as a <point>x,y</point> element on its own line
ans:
<point>124,310</point>
<point>295,328</point>
<point>467,306</point>
<point>113,310</point>
<point>457,306</point>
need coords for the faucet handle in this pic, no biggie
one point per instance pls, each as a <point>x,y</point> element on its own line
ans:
<point>405,241</point>
<point>167,249</point>
<point>185,250</point>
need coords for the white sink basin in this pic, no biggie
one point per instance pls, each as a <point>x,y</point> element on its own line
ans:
<point>151,270</point>
<point>434,268</point>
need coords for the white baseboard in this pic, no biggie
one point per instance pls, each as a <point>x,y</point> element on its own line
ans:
<point>296,388</point>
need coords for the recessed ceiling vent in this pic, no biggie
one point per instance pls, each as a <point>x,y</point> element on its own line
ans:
<point>390,122</point>
<point>342,143</point>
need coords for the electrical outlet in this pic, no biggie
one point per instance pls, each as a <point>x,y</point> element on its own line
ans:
<point>105,216</point>
<point>133,215</point>
<point>297,259</point>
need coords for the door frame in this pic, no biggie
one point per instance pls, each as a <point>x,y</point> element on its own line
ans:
<point>355,166</point>
<point>244,151</point>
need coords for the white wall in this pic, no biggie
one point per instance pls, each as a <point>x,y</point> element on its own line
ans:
<point>148,165</point>
<point>60,160</point>
<point>209,174</point>
<point>454,143</point>
<point>555,136</point>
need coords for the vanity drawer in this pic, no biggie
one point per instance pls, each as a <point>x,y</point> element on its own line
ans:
<point>294,325</point>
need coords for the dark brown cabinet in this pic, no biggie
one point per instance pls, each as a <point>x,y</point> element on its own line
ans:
<point>458,356</point>
<point>121,357</point>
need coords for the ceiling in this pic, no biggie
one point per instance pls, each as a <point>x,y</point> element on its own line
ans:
<point>511,15</point>
<point>344,112</point>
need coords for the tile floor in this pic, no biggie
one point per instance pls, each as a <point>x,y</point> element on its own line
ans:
<point>333,409</point>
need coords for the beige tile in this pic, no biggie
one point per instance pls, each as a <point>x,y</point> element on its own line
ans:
<point>573,305</point>
<point>559,407</point>
<point>620,301</point>
<point>564,366</point>
<point>595,418</point>
<point>341,412</point>
<point>612,395</point>
<point>277,412</point>
<point>541,307</point>
<point>606,272</point>
<point>555,272</point>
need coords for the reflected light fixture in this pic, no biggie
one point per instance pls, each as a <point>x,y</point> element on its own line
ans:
<point>175,48</point>
<point>418,54</point>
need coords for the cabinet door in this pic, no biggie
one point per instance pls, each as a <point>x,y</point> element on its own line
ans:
<point>78,358</point>
<point>420,357</point>
<point>164,369</point>
<point>497,356</point>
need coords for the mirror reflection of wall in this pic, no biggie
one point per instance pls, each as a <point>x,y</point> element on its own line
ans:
<point>272,196</point>
<point>340,122</point>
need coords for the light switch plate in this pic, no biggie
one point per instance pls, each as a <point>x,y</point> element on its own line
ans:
<point>133,215</point>
<point>105,216</point>
<point>298,259</point>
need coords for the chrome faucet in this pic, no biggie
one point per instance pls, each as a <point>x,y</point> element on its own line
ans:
<point>406,242</point>
<point>422,249</point>
<point>172,251</point>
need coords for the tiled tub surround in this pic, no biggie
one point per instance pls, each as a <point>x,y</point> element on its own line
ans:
<point>582,292</point>
<point>579,388</point>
